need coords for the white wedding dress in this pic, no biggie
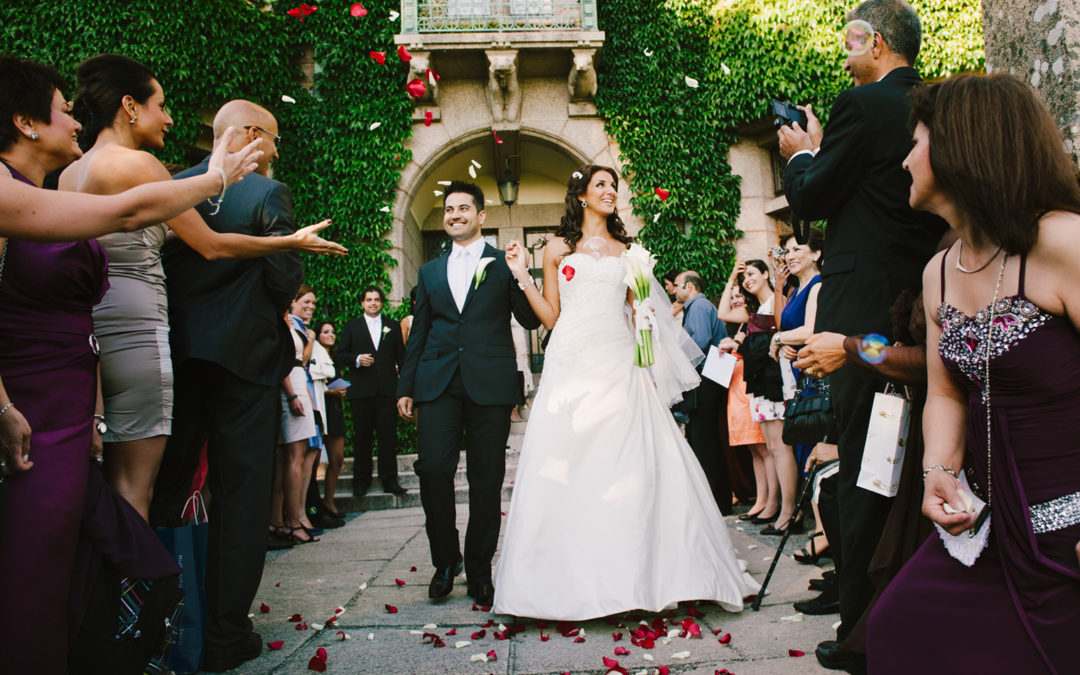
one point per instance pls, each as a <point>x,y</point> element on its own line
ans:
<point>611,511</point>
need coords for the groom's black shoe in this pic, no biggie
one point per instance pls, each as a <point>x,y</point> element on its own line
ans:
<point>483,592</point>
<point>831,656</point>
<point>443,581</point>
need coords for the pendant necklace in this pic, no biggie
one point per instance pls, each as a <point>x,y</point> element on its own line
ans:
<point>960,267</point>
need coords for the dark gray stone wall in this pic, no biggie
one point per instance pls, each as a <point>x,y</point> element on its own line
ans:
<point>1039,42</point>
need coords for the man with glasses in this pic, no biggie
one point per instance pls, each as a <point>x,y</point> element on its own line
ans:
<point>704,404</point>
<point>875,247</point>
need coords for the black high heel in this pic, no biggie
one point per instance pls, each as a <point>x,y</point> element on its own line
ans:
<point>814,555</point>
<point>795,527</point>
<point>759,520</point>
<point>297,540</point>
<point>749,516</point>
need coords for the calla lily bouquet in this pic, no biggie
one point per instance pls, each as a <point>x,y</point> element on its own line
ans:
<point>640,265</point>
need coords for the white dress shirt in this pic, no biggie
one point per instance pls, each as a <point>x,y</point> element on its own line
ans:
<point>461,267</point>
<point>374,327</point>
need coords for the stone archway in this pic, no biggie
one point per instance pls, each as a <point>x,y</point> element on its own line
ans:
<point>546,158</point>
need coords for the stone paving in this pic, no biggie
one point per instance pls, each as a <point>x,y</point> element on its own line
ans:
<point>357,568</point>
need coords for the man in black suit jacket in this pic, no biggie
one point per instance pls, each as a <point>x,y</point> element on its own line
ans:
<point>230,350</point>
<point>369,352</point>
<point>461,374</point>
<point>875,247</point>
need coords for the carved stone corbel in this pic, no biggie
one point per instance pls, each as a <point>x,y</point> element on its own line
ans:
<point>581,84</point>
<point>503,89</point>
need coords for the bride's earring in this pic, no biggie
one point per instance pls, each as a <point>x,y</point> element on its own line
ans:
<point>583,204</point>
<point>33,135</point>
<point>132,120</point>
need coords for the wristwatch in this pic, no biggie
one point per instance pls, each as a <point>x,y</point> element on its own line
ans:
<point>776,339</point>
<point>522,284</point>
<point>99,425</point>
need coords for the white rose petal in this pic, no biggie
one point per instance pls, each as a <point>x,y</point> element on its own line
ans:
<point>674,632</point>
<point>472,172</point>
<point>475,163</point>
<point>648,52</point>
<point>656,218</point>
<point>751,547</point>
<point>502,628</point>
<point>363,587</point>
<point>727,71</point>
<point>665,641</point>
<point>681,655</point>
<point>691,82</point>
<point>371,636</point>
<point>798,616</point>
<point>385,209</point>
<point>416,632</point>
<point>461,643</point>
<point>478,658</point>
<point>740,529</point>
<point>374,125</point>
<point>288,99</point>
<point>444,182</point>
<point>431,626</point>
<point>251,616</point>
<point>647,657</point>
<point>438,193</point>
<point>316,626</point>
<point>394,15</point>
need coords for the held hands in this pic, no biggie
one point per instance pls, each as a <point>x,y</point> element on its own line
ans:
<point>308,241</point>
<point>823,354</point>
<point>405,408</point>
<point>942,488</point>
<point>236,165</point>
<point>788,352</point>
<point>517,259</point>
<point>14,443</point>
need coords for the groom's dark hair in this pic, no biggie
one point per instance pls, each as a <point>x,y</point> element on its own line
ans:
<point>470,189</point>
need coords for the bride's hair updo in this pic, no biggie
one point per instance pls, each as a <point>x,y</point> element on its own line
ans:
<point>570,225</point>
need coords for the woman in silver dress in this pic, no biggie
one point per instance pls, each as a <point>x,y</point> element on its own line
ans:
<point>122,109</point>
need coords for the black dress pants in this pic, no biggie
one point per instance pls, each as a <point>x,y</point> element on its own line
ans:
<point>238,421</point>
<point>710,449</point>
<point>374,417</point>
<point>440,424</point>
<point>862,513</point>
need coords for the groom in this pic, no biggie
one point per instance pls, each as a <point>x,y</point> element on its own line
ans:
<point>460,373</point>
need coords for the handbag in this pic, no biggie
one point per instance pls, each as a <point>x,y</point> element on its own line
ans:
<point>808,416</point>
<point>188,544</point>
<point>886,438</point>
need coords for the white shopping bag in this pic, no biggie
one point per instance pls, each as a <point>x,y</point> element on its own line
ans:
<point>886,438</point>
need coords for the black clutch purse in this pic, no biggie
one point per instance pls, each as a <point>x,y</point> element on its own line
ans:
<point>808,416</point>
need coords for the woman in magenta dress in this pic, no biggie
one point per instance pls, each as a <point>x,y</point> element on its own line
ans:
<point>1003,314</point>
<point>58,510</point>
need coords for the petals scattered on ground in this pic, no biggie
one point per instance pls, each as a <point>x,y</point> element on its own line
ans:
<point>264,608</point>
<point>316,665</point>
<point>798,616</point>
<point>275,645</point>
<point>795,653</point>
<point>294,618</point>
<point>390,609</point>
<point>399,582</point>
<point>725,639</point>
<point>681,655</point>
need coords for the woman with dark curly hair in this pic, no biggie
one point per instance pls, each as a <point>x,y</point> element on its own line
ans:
<point>1003,318</point>
<point>603,463</point>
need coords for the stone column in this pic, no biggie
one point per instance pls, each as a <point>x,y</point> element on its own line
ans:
<point>1039,42</point>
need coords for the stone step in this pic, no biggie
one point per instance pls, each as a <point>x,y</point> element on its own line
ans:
<point>405,462</point>
<point>377,500</point>
<point>409,479</point>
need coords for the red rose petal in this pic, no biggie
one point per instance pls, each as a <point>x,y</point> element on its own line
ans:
<point>429,73</point>
<point>718,631</point>
<point>610,663</point>
<point>320,654</point>
<point>492,656</point>
<point>725,638</point>
<point>622,651</point>
<point>616,636</point>
<point>479,634</point>
<point>695,612</point>
<point>500,635</point>
<point>452,631</point>
<point>316,665</point>
<point>339,610</point>
<point>662,194</point>
<point>341,634</point>
<point>301,626</point>
<point>295,617</point>
<point>264,608</point>
<point>277,585</point>
<point>544,638</point>
<point>307,9</point>
<point>579,639</point>
<point>399,582</point>
<point>380,57</point>
<point>416,88</point>
<point>404,54</point>
<point>497,139</point>
<point>390,609</point>
<point>568,272</point>
<point>413,568</point>
<point>428,118</point>
<point>723,671</point>
<point>357,10</point>
<point>663,670</point>
<point>275,645</point>
<point>331,620</point>
<point>438,643</point>
<point>295,12</point>
<point>489,624</point>
<point>795,652</point>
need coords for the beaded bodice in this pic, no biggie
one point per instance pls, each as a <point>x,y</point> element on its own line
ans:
<point>963,337</point>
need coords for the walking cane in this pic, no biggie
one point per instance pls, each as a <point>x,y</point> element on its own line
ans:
<point>806,491</point>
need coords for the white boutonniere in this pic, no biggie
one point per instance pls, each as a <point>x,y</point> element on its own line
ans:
<point>385,330</point>
<point>480,271</point>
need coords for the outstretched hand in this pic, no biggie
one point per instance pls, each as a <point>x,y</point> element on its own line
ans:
<point>235,164</point>
<point>309,241</point>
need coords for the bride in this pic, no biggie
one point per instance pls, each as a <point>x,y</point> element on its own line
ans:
<point>611,511</point>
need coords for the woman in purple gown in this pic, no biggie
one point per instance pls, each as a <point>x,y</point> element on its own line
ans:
<point>59,517</point>
<point>1003,313</point>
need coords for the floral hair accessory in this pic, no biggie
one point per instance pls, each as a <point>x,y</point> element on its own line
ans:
<point>577,174</point>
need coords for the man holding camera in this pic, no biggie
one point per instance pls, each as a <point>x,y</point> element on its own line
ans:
<point>875,247</point>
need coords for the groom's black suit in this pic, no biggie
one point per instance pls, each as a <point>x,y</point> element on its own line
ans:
<point>461,373</point>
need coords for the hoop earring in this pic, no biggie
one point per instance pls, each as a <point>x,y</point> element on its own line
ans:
<point>583,204</point>
<point>33,135</point>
